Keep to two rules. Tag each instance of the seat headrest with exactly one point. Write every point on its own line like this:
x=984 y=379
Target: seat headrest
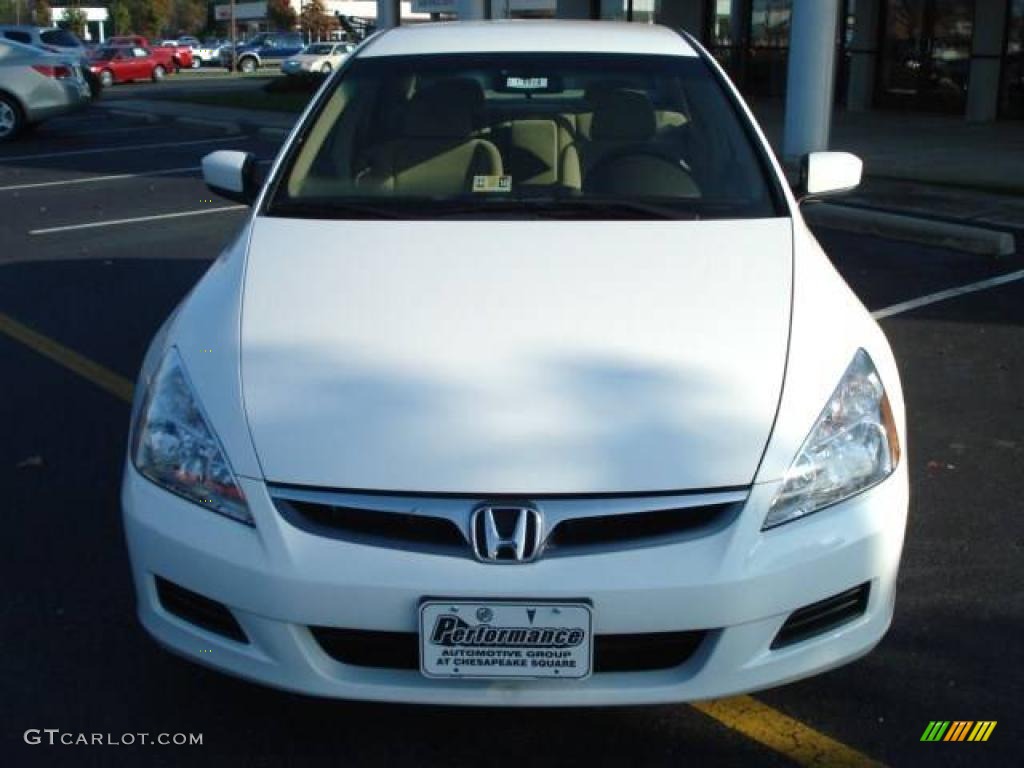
x=623 y=115
x=447 y=108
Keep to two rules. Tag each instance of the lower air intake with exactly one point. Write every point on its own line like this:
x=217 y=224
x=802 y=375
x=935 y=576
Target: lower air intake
x=818 y=618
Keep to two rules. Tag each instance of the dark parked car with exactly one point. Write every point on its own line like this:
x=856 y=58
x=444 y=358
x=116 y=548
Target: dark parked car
x=263 y=50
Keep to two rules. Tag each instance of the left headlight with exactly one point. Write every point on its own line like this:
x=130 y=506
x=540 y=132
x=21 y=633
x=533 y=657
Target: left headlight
x=175 y=446
x=853 y=446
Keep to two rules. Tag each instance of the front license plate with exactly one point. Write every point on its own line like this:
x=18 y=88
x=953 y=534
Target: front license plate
x=505 y=639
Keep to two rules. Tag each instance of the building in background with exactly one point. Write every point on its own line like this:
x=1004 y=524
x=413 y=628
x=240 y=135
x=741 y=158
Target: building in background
x=97 y=21
x=251 y=17
x=960 y=57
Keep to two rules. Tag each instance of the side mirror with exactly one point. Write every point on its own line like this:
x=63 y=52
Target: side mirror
x=828 y=173
x=232 y=175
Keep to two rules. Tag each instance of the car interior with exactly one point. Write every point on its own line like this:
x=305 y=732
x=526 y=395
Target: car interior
x=444 y=135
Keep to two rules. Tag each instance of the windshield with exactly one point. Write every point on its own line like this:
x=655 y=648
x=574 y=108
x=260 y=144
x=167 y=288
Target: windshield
x=103 y=54
x=319 y=49
x=526 y=136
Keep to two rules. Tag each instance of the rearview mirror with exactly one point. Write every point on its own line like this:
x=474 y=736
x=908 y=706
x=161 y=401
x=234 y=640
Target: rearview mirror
x=828 y=173
x=232 y=175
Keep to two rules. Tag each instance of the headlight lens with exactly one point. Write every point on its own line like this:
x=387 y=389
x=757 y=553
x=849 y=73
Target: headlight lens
x=175 y=447
x=853 y=446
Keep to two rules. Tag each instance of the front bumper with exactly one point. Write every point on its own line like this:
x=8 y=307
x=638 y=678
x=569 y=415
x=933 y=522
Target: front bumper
x=738 y=584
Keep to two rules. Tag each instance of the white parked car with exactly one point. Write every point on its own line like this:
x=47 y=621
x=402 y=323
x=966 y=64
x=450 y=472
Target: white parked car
x=207 y=53
x=317 y=57
x=524 y=384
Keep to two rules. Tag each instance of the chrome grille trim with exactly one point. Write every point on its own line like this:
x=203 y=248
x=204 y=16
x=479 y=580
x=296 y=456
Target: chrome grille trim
x=457 y=511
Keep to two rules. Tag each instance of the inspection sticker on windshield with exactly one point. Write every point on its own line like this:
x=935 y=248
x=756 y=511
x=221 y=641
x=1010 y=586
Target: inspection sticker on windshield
x=526 y=83
x=505 y=640
x=492 y=183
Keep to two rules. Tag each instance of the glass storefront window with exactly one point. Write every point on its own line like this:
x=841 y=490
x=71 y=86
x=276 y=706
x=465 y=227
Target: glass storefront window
x=925 y=57
x=769 y=23
x=1013 y=64
x=769 y=47
x=643 y=11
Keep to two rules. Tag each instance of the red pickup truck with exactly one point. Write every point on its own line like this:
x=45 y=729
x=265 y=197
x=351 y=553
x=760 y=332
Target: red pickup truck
x=172 y=57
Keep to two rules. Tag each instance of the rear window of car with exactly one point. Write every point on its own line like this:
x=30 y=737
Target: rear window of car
x=60 y=37
x=554 y=135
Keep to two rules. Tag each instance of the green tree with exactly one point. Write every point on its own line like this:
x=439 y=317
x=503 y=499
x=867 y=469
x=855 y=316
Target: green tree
x=281 y=15
x=188 y=16
x=149 y=17
x=120 y=17
x=75 y=20
x=42 y=14
x=315 y=20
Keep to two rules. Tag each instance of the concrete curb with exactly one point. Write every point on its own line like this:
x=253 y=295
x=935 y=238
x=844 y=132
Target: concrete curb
x=133 y=114
x=915 y=229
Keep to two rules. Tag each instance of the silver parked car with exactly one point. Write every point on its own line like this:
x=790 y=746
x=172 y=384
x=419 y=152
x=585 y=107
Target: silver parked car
x=36 y=85
x=53 y=40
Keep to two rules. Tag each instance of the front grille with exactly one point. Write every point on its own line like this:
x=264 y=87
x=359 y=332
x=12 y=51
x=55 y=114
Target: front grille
x=604 y=530
x=820 y=617
x=195 y=609
x=377 y=527
x=441 y=524
x=612 y=653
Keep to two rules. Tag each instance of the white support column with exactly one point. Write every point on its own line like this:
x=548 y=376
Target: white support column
x=389 y=14
x=860 y=86
x=811 y=77
x=986 y=50
x=471 y=9
x=103 y=31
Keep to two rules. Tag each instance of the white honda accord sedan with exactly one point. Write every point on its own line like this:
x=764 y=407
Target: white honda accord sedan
x=524 y=383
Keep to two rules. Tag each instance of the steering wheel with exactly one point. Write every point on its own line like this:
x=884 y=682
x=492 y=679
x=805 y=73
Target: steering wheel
x=674 y=172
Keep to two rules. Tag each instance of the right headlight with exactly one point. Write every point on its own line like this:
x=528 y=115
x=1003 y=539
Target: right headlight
x=175 y=446
x=852 y=446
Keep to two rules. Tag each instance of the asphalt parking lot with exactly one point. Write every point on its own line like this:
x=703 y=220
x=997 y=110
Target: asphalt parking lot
x=105 y=225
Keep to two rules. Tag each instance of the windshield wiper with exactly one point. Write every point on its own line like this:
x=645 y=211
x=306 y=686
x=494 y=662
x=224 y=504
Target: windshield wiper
x=562 y=208
x=567 y=208
x=611 y=208
x=334 y=209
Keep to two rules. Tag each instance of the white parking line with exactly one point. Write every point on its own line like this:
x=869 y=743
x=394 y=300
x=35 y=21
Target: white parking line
x=91 y=179
x=132 y=147
x=137 y=219
x=932 y=298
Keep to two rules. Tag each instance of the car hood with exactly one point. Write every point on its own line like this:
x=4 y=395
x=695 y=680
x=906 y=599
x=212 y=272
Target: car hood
x=514 y=357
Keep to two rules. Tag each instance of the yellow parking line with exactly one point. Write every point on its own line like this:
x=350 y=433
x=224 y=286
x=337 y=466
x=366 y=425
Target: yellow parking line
x=102 y=377
x=781 y=733
x=754 y=720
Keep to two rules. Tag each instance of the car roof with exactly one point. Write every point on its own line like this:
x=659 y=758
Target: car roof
x=529 y=36
x=42 y=53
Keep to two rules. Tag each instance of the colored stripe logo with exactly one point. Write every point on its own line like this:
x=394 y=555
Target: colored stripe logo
x=958 y=730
